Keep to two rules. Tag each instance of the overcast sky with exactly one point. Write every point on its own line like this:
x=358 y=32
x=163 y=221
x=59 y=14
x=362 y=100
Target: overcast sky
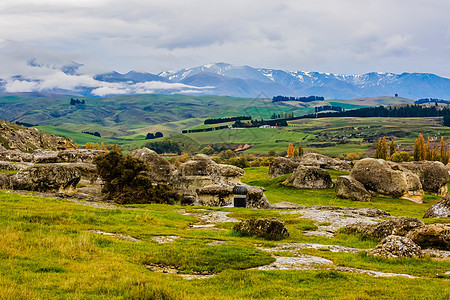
x=338 y=36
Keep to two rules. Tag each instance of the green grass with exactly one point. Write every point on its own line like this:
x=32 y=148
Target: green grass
x=48 y=252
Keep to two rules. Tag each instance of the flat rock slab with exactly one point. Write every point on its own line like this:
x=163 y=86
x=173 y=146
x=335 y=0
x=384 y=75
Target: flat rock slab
x=335 y=218
x=303 y=262
x=373 y=273
x=293 y=247
x=162 y=239
x=117 y=235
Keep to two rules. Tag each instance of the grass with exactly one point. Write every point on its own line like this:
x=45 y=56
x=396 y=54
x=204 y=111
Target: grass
x=47 y=251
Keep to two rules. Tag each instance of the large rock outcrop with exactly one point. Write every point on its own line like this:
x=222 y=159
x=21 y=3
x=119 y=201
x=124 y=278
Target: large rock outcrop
x=431 y=236
x=160 y=169
x=323 y=162
x=395 y=226
x=396 y=246
x=27 y=139
x=271 y=229
x=439 y=210
x=281 y=165
x=349 y=188
x=43 y=178
x=309 y=178
x=387 y=179
x=433 y=175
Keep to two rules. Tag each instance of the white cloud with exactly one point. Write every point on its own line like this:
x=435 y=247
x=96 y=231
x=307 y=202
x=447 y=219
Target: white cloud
x=344 y=36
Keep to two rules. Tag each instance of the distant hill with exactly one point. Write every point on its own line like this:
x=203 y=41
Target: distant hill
x=240 y=81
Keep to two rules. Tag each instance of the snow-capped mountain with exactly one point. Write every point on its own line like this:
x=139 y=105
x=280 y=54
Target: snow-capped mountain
x=240 y=81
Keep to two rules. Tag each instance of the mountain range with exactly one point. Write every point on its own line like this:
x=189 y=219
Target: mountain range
x=239 y=81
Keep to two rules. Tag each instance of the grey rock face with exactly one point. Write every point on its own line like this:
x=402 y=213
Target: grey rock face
x=396 y=226
x=309 y=178
x=433 y=175
x=439 y=210
x=43 y=178
x=324 y=162
x=432 y=236
x=271 y=229
x=281 y=166
x=387 y=179
x=349 y=188
x=396 y=246
x=160 y=169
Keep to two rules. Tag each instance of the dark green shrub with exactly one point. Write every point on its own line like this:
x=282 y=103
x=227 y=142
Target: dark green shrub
x=125 y=180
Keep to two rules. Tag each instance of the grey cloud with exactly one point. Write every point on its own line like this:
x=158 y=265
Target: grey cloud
x=344 y=36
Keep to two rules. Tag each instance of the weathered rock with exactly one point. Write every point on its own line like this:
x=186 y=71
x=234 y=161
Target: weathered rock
x=256 y=197
x=160 y=169
x=395 y=226
x=48 y=177
x=431 y=236
x=396 y=246
x=188 y=200
x=309 y=178
x=78 y=155
x=12 y=166
x=215 y=195
x=271 y=229
x=439 y=210
x=44 y=156
x=88 y=171
x=323 y=162
x=387 y=179
x=281 y=165
x=230 y=174
x=27 y=139
x=16 y=155
x=349 y=188
x=433 y=175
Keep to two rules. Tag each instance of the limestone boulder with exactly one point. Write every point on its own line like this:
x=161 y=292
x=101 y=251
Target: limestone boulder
x=271 y=229
x=256 y=197
x=439 y=210
x=387 y=179
x=396 y=246
x=13 y=166
x=78 y=155
x=395 y=226
x=309 y=178
x=281 y=165
x=349 y=188
x=15 y=155
x=433 y=175
x=431 y=236
x=323 y=162
x=45 y=156
x=46 y=178
x=160 y=169
x=215 y=195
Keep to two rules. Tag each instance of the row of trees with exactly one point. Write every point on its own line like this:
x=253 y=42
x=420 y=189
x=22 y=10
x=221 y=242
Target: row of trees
x=294 y=151
x=224 y=120
x=151 y=136
x=96 y=146
x=422 y=151
x=301 y=99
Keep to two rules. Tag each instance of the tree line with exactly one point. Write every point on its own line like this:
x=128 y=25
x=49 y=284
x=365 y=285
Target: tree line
x=280 y=98
x=422 y=151
x=224 y=120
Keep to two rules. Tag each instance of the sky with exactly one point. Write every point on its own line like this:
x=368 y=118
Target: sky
x=337 y=36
